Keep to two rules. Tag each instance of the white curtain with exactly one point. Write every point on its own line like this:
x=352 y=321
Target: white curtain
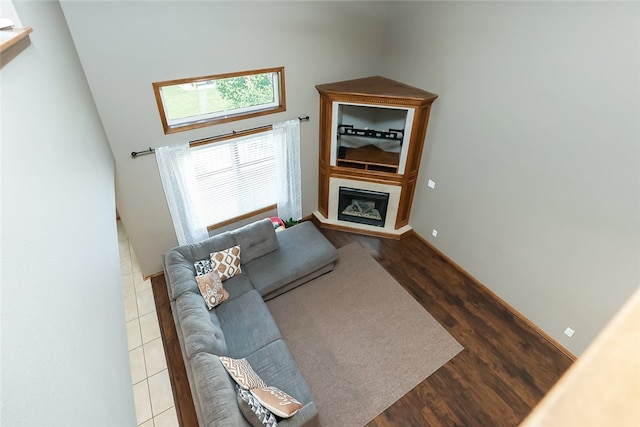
x=179 y=184
x=288 y=181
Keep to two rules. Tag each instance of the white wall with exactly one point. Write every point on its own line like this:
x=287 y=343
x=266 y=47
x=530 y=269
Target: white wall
x=125 y=46
x=64 y=349
x=534 y=145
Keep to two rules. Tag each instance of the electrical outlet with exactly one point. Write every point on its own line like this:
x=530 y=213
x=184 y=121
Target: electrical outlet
x=434 y=233
x=569 y=332
x=431 y=184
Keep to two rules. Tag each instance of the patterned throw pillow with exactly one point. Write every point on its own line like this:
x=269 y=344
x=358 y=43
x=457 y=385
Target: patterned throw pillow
x=203 y=267
x=277 y=401
x=242 y=373
x=253 y=411
x=226 y=262
x=211 y=289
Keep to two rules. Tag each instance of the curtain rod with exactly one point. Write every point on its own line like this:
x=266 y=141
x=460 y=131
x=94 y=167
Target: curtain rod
x=197 y=142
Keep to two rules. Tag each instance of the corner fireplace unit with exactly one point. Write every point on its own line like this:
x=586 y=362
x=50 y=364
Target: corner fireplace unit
x=362 y=206
x=371 y=135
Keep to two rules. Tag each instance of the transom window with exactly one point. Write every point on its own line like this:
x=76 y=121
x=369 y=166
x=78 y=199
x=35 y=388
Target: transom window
x=204 y=101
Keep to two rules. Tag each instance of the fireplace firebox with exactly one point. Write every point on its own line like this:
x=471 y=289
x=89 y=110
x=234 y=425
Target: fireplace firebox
x=362 y=206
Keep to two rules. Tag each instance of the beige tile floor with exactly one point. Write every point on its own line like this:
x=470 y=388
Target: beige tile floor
x=150 y=379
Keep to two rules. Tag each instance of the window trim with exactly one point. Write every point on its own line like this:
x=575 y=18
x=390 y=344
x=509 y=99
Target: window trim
x=234 y=115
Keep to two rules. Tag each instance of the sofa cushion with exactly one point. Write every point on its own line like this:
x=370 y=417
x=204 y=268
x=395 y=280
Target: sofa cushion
x=211 y=289
x=242 y=373
x=279 y=268
x=238 y=285
x=226 y=262
x=275 y=365
x=179 y=268
x=247 y=324
x=256 y=239
x=201 y=250
x=215 y=392
x=201 y=331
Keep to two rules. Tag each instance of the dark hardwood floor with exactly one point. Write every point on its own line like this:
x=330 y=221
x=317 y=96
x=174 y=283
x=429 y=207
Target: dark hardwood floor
x=505 y=369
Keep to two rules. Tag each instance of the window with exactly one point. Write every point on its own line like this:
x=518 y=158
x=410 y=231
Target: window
x=236 y=178
x=204 y=101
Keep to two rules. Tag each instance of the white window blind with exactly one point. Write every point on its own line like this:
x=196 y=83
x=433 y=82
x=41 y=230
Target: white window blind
x=235 y=177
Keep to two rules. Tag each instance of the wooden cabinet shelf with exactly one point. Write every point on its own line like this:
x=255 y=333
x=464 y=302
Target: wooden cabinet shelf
x=370 y=158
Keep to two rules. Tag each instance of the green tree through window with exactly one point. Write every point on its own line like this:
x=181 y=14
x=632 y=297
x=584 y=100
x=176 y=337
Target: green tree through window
x=204 y=101
x=240 y=91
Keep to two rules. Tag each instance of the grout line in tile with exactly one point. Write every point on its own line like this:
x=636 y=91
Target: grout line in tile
x=140 y=286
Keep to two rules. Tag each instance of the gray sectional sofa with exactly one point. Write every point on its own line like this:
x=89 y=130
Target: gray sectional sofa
x=242 y=326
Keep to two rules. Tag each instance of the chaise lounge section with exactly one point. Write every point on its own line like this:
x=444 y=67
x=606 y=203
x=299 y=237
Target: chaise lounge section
x=242 y=326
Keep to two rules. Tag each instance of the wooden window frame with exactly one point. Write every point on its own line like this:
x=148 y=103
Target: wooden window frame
x=168 y=128
x=236 y=219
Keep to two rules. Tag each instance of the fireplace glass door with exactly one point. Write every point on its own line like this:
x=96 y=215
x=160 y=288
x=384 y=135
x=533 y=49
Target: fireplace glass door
x=362 y=206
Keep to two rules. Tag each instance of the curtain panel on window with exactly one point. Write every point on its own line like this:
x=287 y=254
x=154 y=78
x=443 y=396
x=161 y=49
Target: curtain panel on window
x=288 y=174
x=179 y=184
x=221 y=181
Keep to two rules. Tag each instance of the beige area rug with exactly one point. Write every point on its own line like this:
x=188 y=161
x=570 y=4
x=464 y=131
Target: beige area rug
x=360 y=340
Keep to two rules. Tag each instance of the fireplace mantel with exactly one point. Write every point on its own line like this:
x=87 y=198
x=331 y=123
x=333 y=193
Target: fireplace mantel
x=372 y=132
